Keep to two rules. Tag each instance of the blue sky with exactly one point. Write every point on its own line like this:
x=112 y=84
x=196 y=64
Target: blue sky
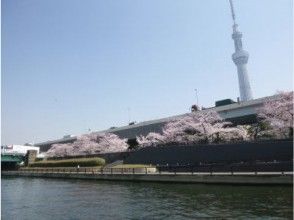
x=71 y=65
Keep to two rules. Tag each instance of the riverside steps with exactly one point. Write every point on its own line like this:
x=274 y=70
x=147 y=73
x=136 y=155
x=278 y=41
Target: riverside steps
x=152 y=175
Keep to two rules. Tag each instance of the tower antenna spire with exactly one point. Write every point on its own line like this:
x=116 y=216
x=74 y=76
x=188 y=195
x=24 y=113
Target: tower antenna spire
x=233 y=11
x=235 y=26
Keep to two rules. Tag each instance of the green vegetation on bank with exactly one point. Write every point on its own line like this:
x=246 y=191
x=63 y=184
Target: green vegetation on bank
x=82 y=162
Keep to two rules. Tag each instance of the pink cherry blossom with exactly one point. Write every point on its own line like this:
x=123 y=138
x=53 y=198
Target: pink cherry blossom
x=86 y=144
x=194 y=128
x=278 y=114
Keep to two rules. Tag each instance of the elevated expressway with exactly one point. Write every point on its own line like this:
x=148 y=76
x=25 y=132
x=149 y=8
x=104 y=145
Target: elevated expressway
x=238 y=113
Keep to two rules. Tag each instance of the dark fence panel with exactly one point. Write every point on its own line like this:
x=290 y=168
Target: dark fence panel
x=271 y=150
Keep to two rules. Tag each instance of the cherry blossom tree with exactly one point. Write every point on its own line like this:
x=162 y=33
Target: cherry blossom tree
x=276 y=117
x=92 y=143
x=152 y=139
x=60 y=150
x=194 y=128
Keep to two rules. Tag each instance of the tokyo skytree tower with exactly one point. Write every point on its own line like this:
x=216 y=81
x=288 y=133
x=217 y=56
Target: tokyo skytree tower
x=240 y=58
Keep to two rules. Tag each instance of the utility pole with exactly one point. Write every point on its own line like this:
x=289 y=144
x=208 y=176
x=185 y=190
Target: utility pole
x=196 y=92
x=129 y=117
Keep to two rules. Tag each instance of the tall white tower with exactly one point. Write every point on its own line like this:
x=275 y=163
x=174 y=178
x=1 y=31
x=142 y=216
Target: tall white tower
x=240 y=58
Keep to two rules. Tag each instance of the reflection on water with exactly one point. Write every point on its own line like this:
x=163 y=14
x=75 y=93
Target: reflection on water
x=36 y=198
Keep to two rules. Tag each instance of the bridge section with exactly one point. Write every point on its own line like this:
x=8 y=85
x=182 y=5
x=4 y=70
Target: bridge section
x=11 y=161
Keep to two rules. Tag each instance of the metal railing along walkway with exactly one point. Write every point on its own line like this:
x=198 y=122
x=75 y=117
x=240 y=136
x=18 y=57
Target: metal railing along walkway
x=134 y=171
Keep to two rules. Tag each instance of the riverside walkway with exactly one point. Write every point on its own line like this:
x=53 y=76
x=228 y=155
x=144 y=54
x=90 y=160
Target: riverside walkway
x=150 y=174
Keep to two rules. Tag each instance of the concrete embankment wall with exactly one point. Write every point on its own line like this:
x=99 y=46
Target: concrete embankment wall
x=271 y=150
x=271 y=179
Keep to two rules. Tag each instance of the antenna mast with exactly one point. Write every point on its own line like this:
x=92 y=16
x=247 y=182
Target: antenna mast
x=233 y=12
x=233 y=16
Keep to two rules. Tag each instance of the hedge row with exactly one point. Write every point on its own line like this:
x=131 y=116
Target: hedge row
x=82 y=162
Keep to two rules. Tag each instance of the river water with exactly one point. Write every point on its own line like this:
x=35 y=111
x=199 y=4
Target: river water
x=37 y=198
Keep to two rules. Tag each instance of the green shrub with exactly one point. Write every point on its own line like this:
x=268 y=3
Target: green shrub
x=82 y=162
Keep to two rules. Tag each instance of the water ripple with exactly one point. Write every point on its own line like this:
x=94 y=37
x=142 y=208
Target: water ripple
x=29 y=198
